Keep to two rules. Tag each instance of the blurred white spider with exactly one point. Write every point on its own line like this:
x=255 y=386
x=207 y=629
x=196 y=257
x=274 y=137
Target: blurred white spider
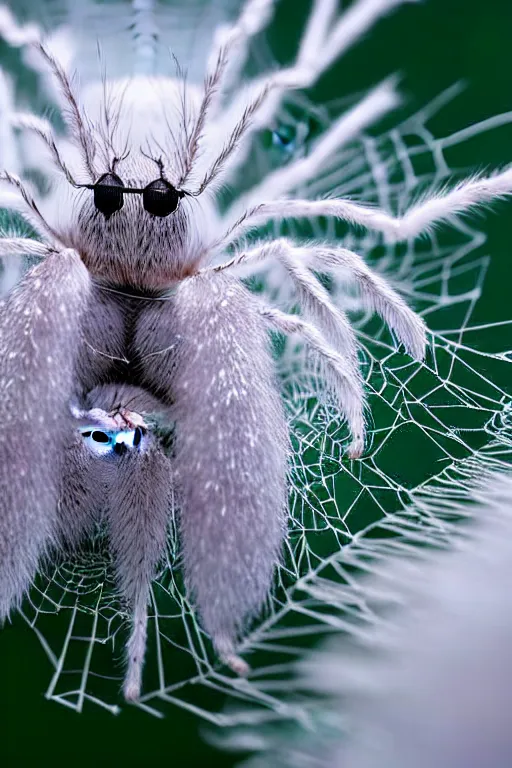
x=128 y=315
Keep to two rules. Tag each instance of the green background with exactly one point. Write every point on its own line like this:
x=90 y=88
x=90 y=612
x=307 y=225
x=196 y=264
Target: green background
x=432 y=44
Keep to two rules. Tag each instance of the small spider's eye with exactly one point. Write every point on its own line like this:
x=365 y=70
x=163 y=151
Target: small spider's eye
x=108 y=194
x=137 y=437
x=160 y=198
x=100 y=437
x=97 y=440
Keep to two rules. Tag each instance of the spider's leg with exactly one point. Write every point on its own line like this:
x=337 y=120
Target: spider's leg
x=29 y=36
x=9 y=158
x=39 y=336
x=14 y=33
x=13 y=201
x=303 y=170
x=376 y=292
x=343 y=370
x=25 y=203
x=440 y=207
x=42 y=128
x=322 y=43
x=325 y=40
x=227 y=58
x=23 y=246
x=253 y=17
x=209 y=350
x=9 y=155
x=78 y=125
x=336 y=370
x=139 y=508
x=340 y=355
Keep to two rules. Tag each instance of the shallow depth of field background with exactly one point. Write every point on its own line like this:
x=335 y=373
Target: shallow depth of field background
x=433 y=45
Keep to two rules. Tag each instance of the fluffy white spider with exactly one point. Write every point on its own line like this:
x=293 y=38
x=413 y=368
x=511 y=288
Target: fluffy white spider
x=129 y=314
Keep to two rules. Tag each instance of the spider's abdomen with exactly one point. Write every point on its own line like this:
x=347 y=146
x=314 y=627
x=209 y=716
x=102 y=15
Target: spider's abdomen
x=231 y=444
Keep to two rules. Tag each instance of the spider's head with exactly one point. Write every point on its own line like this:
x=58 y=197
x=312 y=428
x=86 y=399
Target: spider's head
x=126 y=200
x=134 y=227
x=141 y=220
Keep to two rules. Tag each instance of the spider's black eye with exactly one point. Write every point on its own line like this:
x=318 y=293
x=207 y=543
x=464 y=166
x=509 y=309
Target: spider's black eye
x=160 y=198
x=137 y=437
x=100 y=437
x=108 y=194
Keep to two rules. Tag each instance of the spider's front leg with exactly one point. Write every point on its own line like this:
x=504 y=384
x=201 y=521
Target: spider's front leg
x=208 y=350
x=39 y=336
x=336 y=346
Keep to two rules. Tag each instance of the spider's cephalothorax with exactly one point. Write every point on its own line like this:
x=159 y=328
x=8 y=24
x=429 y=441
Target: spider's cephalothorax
x=132 y=313
x=135 y=228
x=130 y=246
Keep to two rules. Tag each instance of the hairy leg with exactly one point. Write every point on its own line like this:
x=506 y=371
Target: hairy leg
x=79 y=128
x=43 y=129
x=14 y=33
x=322 y=43
x=421 y=218
x=23 y=246
x=39 y=335
x=376 y=293
x=349 y=390
x=351 y=124
x=339 y=349
x=231 y=447
x=253 y=17
x=23 y=201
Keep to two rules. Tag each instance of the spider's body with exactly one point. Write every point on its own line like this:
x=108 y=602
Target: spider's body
x=130 y=314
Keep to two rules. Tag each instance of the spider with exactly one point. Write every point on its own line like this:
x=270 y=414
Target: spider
x=131 y=316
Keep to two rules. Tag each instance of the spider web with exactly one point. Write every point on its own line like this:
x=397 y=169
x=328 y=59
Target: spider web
x=433 y=426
